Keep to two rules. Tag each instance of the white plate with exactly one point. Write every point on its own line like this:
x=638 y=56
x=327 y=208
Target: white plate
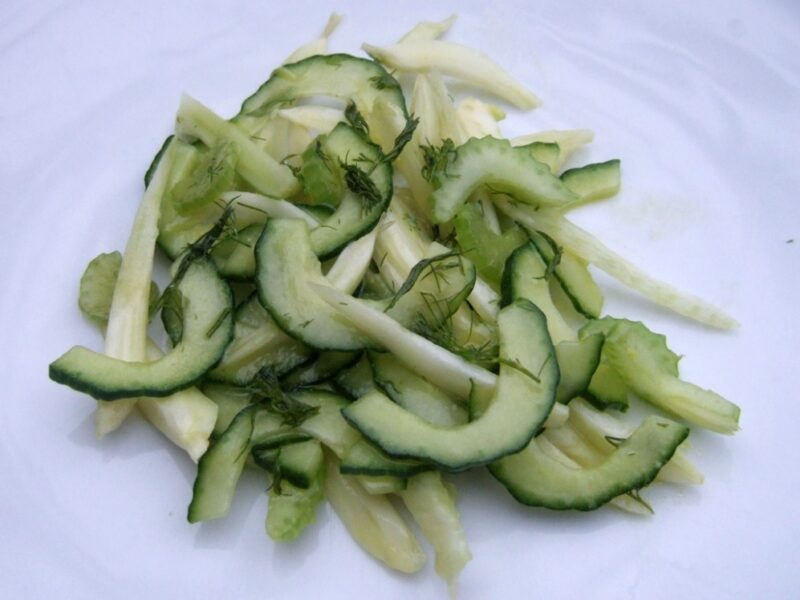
x=699 y=100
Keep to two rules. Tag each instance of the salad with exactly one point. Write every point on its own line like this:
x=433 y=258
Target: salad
x=372 y=288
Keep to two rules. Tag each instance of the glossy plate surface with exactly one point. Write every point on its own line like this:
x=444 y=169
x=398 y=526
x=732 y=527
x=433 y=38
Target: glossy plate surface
x=700 y=100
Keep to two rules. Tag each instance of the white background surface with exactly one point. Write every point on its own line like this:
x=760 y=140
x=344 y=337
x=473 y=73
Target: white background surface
x=699 y=100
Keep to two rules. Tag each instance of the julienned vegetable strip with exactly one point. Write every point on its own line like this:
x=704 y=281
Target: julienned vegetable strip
x=458 y=61
x=592 y=250
x=450 y=372
x=126 y=332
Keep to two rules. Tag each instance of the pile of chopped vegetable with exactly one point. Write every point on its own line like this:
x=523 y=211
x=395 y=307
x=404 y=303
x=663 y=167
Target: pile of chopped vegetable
x=374 y=290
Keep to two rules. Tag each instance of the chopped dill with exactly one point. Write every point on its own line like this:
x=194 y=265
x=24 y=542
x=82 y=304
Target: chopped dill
x=436 y=160
x=355 y=118
x=269 y=393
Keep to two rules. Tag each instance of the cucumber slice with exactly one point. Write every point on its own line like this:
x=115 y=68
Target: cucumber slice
x=607 y=389
x=365 y=459
x=573 y=275
x=526 y=276
x=357 y=380
x=595 y=181
x=365 y=198
x=286 y=267
x=577 y=362
x=322 y=368
x=487 y=250
x=234 y=253
x=336 y=75
x=327 y=425
x=496 y=164
x=230 y=401
x=517 y=410
x=536 y=479
x=298 y=463
x=219 y=470
x=207 y=330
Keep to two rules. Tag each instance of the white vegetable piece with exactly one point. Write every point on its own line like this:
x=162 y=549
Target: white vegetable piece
x=126 y=332
x=457 y=61
x=373 y=522
x=590 y=249
x=439 y=366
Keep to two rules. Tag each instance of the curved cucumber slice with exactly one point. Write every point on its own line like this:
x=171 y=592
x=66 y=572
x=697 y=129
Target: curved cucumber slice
x=207 y=330
x=595 y=181
x=496 y=164
x=573 y=275
x=526 y=276
x=365 y=459
x=577 y=362
x=358 y=211
x=219 y=470
x=286 y=265
x=337 y=75
x=518 y=408
x=536 y=479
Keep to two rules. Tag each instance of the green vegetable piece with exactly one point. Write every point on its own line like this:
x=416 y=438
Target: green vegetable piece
x=595 y=181
x=500 y=167
x=97 y=287
x=486 y=249
x=219 y=470
x=212 y=175
x=292 y=509
x=322 y=178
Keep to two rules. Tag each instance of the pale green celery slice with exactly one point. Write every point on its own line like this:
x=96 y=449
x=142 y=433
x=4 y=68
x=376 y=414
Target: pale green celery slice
x=479 y=119
x=457 y=61
x=292 y=509
x=590 y=249
x=624 y=502
x=434 y=510
x=386 y=122
x=597 y=427
x=318 y=118
x=186 y=418
x=257 y=167
x=439 y=366
x=126 y=332
x=428 y=30
x=317 y=46
x=351 y=264
x=373 y=522
x=568 y=141
x=250 y=208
